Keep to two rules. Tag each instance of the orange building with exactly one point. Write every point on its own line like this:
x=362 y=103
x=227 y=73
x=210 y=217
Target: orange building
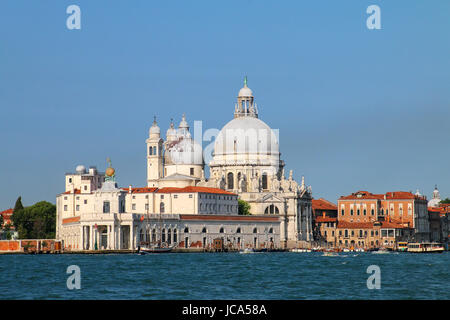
x=6 y=214
x=404 y=209
x=325 y=220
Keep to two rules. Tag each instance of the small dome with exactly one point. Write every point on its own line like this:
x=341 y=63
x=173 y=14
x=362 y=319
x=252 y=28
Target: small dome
x=245 y=92
x=154 y=129
x=171 y=132
x=80 y=169
x=183 y=123
x=185 y=151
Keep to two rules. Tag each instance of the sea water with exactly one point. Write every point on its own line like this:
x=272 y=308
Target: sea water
x=226 y=276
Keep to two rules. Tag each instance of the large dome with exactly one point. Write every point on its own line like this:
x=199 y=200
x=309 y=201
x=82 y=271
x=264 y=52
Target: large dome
x=246 y=135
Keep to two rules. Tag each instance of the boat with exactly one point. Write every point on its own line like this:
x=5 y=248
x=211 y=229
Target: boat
x=247 y=250
x=300 y=250
x=402 y=246
x=346 y=250
x=359 y=250
x=425 y=247
x=155 y=249
x=330 y=254
x=381 y=251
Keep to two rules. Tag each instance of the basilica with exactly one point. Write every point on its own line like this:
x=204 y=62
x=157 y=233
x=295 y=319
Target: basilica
x=181 y=206
x=246 y=161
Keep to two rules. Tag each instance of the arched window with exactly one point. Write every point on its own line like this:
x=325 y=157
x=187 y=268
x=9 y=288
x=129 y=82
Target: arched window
x=175 y=235
x=169 y=236
x=271 y=230
x=141 y=235
x=153 y=235
x=238 y=230
x=221 y=230
x=150 y=151
x=373 y=212
x=154 y=151
x=272 y=209
x=264 y=181
x=163 y=235
x=230 y=180
x=204 y=230
x=342 y=212
x=255 y=230
x=186 y=230
x=161 y=207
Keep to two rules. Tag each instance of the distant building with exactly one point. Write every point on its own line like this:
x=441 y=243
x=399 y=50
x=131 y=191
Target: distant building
x=434 y=202
x=325 y=221
x=6 y=214
x=401 y=208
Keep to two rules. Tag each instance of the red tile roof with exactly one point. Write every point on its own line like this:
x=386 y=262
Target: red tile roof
x=7 y=212
x=362 y=195
x=388 y=196
x=141 y=190
x=370 y=225
x=71 y=220
x=322 y=204
x=265 y=218
x=325 y=219
x=77 y=191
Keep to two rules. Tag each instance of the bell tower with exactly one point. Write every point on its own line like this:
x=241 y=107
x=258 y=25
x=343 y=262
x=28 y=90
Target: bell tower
x=155 y=165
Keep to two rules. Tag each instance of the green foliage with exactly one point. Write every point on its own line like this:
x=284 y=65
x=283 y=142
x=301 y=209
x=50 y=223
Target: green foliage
x=244 y=207
x=446 y=200
x=1 y=222
x=18 y=206
x=35 y=222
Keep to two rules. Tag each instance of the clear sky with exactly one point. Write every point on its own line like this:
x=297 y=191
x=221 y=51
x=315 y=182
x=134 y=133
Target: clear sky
x=356 y=109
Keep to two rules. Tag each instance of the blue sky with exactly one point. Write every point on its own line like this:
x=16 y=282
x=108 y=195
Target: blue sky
x=356 y=109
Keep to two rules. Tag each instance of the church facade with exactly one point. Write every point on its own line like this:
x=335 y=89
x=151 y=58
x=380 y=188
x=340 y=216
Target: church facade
x=246 y=161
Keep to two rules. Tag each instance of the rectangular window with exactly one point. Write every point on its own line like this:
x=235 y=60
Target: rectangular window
x=85 y=201
x=133 y=206
x=175 y=196
x=190 y=196
x=162 y=196
x=106 y=207
x=77 y=207
x=65 y=207
x=192 y=171
x=146 y=206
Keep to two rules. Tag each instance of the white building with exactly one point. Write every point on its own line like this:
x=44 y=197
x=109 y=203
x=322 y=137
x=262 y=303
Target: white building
x=246 y=163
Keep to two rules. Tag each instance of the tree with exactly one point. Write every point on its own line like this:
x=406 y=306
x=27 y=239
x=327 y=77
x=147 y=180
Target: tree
x=447 y=200
x=36 y=222
x=1 y=222
x=244 y=207
x=18 y=206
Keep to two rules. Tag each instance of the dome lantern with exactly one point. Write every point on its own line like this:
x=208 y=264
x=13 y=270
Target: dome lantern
x=245 y=106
